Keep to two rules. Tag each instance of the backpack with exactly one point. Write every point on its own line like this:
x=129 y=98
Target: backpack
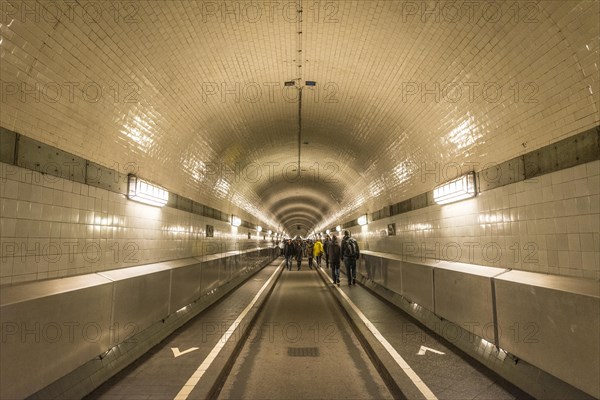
x=351 y=249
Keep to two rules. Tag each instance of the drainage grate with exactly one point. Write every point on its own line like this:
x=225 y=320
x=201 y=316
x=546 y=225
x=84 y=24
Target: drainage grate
x=303 y=351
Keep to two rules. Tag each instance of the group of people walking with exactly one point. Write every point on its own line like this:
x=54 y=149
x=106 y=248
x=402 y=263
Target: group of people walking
x=298 y=249
x=334 y=252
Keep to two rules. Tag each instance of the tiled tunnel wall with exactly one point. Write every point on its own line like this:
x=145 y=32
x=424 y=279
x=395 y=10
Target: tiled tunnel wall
x=548 y=224
x=53 y=227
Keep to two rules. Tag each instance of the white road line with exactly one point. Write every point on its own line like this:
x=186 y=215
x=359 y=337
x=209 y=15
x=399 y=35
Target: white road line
x=196 y=376
x=390 y=349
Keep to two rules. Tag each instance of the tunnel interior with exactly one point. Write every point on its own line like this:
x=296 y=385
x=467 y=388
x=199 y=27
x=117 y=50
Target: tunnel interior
x=196 y=97
x=265 y=120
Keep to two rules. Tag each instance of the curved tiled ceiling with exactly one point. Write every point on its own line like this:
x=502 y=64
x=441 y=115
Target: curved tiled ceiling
x=193 y=93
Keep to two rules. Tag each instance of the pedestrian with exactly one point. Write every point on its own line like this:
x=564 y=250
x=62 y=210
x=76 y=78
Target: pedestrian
x=318 y=251
x=350 y=254
x=326 y=248
x=299 y=248
x=289 y=252
x=334 y=253
x=309 y=252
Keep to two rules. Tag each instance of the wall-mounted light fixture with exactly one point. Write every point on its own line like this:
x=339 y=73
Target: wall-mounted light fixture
x=259 y=228
x=338 y=228
x=145 y=192
x=235 y=221
x=362 y=220
x=328 y=231
x=269 y=232
x=456 y=190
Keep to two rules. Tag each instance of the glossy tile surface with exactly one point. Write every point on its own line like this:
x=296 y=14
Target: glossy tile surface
x=192 y=92
x=191 y=96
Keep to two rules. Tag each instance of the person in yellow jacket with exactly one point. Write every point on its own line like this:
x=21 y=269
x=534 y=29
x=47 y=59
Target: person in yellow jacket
x=318 y=251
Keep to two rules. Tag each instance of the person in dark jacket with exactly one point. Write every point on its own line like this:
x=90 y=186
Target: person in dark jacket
x=334 y=253
x=289 y=251
x=299 y=252
x=326 y=245
x=350 y=253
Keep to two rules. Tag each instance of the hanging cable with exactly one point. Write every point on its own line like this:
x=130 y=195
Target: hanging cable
x=299 y=74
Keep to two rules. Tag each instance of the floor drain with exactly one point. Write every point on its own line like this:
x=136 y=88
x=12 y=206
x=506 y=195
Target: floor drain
x=303 y=351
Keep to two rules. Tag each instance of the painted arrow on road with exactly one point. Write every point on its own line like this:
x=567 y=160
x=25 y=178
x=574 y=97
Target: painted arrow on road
x=178 y=353
x=424 y=349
